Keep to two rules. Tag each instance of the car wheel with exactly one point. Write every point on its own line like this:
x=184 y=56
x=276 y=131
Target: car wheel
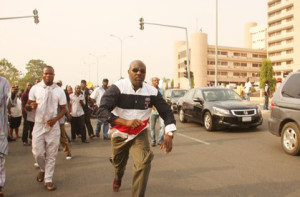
x=208 y=122
x=181 y=115
x=290 y=137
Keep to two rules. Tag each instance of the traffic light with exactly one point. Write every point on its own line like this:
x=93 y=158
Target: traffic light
x=36 y=16
x=141 y=23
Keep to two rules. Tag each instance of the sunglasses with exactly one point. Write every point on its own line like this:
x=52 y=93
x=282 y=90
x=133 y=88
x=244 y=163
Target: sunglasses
x=135 y=70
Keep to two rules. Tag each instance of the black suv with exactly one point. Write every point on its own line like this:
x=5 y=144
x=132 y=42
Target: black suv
x=285 y=114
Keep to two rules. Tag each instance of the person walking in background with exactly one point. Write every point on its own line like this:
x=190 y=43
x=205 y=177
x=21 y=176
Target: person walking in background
x=45 y=97
x=63 y=135
x=127 y=105
x=4 y=92
x=87 y=114
x=155 y=116
x=14 y=107
x=267 y=95
x=248 y=87
x=96 y=97
x=77 y=114
x=26 y=125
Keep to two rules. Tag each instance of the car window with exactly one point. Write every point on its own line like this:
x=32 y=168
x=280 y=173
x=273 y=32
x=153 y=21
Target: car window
x=189 y=94
x=291 y=88
x=198 y=94
x=220 y=95
x=178 y=93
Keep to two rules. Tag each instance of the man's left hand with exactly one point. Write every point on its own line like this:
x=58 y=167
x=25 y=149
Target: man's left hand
x=51 y=122
x=167 y=143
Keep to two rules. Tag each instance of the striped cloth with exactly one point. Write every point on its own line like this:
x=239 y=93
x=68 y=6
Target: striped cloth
x=4 y=91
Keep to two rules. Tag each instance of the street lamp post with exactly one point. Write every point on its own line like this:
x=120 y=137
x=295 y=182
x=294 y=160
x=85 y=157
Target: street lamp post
x=216 y=61
x=97 y=57
x=121 y=41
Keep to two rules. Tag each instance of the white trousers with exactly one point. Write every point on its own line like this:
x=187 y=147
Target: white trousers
x=44 y=148
x=2 y=172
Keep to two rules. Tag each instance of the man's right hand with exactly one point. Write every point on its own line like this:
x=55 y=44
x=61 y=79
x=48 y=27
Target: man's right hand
x=33 y=105
x=134 y=123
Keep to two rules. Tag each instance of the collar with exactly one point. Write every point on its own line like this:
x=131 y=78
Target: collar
x=128 y=81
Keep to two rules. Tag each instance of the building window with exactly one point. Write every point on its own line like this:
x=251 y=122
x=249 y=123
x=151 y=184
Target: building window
x=255 y=55
x=182 y=54
x=262 y=56
x=255 y=75
x=237 y=54
x=290 y=51
x=289 y=62
x=244 y=54
x=290 y=30
x=243 y=64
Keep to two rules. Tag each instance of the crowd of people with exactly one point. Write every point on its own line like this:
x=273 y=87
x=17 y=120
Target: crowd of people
x=123 y=110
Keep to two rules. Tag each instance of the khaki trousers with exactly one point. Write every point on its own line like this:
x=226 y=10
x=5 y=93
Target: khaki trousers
x=63 y=140
x=139 y=149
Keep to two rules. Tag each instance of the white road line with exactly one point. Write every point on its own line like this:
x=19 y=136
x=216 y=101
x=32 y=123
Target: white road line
x=191 y=138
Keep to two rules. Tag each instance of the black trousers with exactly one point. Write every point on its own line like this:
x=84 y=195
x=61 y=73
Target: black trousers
x=87 y=120
x=27 y=128
x=77 y=126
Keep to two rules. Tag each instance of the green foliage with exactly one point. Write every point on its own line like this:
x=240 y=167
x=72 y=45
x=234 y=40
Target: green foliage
x=166 y=81
x=192 y=82
x=172 y=84
x=267 y=74
x=34 y=71
x=9 y=71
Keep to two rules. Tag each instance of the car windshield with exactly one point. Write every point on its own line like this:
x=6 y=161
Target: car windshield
x=220 y=95
x=178 y=93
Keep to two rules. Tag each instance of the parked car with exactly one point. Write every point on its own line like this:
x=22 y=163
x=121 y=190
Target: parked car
x=285 y=114
x=217 y=107
x=172 y=96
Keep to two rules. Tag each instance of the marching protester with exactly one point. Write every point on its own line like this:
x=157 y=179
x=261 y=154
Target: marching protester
x=14 y=107
x=155 y=116
x=96 y=97
x=77 y=114
x=4 y=89
x=127 y=105
x=87 y=114
x=27 y=124
x=45 y=97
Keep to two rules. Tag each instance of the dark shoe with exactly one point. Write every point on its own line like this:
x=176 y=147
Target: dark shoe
x=50 y=186
x=1 y=192
x=85 y=141
x=40 y=177
x=116 y=185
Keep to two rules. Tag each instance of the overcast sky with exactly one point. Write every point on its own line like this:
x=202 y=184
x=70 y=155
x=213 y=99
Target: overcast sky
x=70 y=30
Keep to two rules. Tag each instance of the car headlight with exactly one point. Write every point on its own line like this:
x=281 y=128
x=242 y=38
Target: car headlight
x=221 y=111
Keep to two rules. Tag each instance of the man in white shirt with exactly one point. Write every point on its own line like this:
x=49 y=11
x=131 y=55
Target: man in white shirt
x=77 y=114
x=248 y=86
x=49 y=101
x=96 y=97
x=14 y=107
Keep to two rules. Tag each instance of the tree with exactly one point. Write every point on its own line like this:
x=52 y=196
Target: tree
x=172 y=84
x=34 y=71
x=267 y=74
x=9 y=71
x=166 y=81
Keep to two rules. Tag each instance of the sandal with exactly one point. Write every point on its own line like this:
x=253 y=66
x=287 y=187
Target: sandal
x=40 y=176
x=50 y=186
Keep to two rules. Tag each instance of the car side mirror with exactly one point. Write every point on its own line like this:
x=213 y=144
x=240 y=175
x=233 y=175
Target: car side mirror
x=198 y=100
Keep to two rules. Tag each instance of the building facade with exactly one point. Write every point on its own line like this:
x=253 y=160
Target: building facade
x=284 y=36
x=255 y=36
x=234 y=64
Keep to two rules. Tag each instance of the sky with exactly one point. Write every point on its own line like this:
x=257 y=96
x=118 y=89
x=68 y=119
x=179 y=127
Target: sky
x=70 y=31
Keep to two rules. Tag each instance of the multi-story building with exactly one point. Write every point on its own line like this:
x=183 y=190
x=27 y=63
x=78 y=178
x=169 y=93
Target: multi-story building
x=284 y=36
x=234 y=64
x=255 y=36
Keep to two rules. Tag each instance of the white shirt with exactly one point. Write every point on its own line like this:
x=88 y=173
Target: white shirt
x=16 y=111
x=97 y=95
x=77 y=109
x=37 y=93
x=248 y=86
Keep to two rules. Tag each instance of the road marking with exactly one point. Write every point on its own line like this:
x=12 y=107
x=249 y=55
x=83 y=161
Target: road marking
x=191 y=138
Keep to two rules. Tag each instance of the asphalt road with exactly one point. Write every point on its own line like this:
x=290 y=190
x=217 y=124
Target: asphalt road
x=236 y=162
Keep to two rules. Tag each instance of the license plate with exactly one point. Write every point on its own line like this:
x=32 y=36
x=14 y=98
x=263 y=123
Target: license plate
x=246 y=119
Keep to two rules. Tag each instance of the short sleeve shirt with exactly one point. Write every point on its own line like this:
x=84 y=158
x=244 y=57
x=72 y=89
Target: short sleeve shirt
x=37 y=94
x=76 y=110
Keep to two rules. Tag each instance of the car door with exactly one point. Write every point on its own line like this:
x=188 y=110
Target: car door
x=187 y=104
x=198 y=106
